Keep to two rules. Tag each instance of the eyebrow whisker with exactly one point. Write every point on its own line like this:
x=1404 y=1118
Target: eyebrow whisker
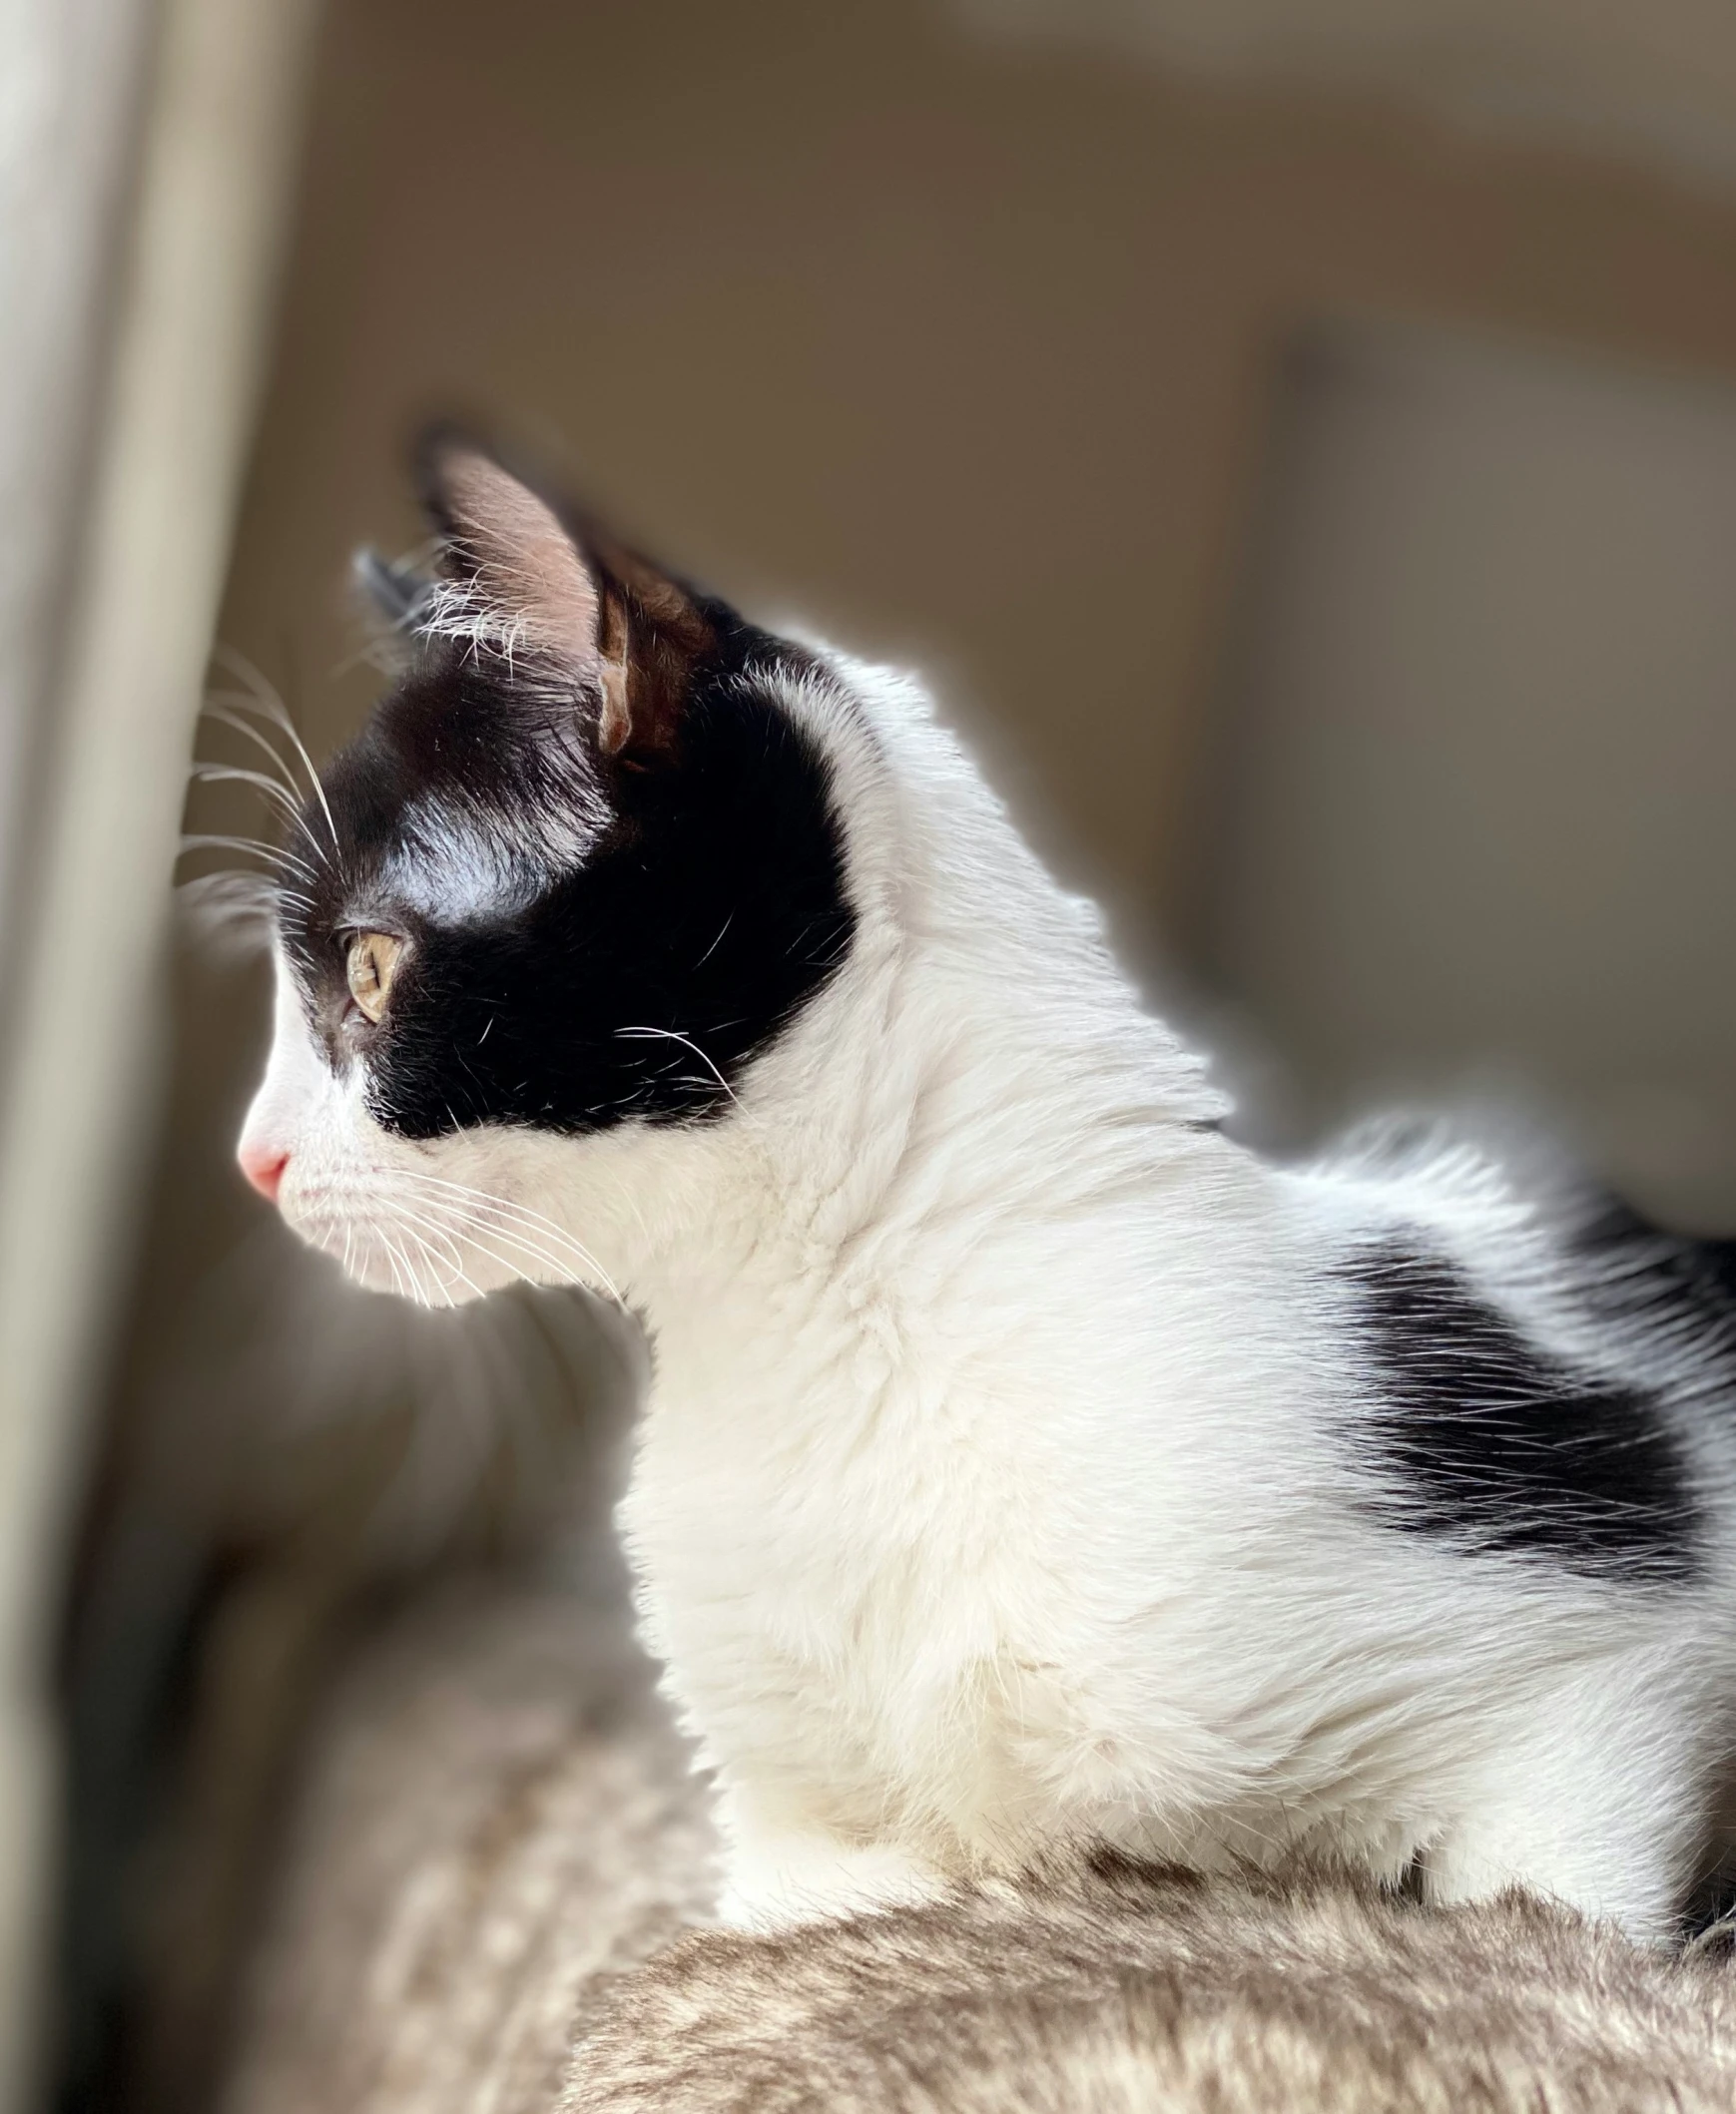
x=686 y=1044
x=257 y=848
x=209 y=773
x=266 y=701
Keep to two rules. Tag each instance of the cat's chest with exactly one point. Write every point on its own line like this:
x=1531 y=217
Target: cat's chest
x=858 y=1622
x=809 y=1529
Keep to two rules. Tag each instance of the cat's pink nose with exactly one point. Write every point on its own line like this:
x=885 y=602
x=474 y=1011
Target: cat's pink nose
x=263 y=1167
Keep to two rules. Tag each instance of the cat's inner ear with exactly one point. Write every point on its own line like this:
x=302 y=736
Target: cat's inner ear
x=519 y=576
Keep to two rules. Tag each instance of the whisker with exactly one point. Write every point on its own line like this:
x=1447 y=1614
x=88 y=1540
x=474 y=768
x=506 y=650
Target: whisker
x=417 y=1292
x=468 y=1220
x=268 y=701
x=482 y=1196
x=418 y=1227
x=209 y=774
x=437 y=1282
x=716 y=943
x=408 y=1215
x=255 y=847
x=217 y=705
x=669 y=1035
x=424 y=1292
x=561 y=1267
x=403 y=1277
x=543 y=1226
x=375 y=1236
x=474 y=1236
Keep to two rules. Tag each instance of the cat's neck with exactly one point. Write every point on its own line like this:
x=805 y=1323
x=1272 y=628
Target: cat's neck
x=978 y=1063
x=933 y=1107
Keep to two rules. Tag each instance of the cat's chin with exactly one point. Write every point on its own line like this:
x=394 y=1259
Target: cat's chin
x=397 y=1270
x=424 y=1288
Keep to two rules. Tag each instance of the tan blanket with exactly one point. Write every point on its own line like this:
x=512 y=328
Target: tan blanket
x=497 y=1827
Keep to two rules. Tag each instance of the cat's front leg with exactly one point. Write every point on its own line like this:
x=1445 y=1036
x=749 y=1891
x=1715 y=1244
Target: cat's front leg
x=774 y=1877
x=1589 y=1804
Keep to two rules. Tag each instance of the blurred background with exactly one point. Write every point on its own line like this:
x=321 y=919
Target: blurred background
x=1297 y=436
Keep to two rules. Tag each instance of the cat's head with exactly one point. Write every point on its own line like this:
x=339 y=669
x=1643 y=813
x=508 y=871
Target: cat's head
x=579 y=871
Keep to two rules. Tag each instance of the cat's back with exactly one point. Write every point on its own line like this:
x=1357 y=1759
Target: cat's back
x=1537 y=1371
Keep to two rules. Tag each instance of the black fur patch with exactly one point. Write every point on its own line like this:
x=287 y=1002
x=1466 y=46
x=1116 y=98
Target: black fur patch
x=634 y=980
x=1483 y=1439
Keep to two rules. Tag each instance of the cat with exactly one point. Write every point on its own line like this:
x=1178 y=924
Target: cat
x=1026 y=1462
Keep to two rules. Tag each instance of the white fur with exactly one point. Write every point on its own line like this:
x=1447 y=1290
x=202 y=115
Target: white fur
x=991 y=1488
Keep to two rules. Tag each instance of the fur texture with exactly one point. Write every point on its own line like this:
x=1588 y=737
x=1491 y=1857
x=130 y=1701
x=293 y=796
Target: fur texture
x=1026 y=1465
x=1115 y=1988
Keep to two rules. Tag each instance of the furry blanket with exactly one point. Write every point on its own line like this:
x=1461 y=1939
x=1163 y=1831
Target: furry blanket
x=498 y=1845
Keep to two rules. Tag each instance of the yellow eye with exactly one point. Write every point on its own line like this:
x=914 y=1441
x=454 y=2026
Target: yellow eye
x=371 y=964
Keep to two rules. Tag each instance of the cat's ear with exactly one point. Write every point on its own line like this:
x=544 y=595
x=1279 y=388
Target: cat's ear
x=519 y=573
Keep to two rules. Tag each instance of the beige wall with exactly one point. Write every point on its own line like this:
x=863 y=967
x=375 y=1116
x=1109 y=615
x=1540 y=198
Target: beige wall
x=1475 y=755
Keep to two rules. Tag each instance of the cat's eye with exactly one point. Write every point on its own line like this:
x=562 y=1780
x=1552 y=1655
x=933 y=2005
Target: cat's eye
x=370 y=965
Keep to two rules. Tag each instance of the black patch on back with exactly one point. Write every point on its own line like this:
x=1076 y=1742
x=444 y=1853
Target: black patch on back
x=1483 y=1439
x=708 y=911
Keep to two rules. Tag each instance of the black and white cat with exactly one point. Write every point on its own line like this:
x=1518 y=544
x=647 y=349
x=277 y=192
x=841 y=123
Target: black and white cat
x=1025 y=1461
